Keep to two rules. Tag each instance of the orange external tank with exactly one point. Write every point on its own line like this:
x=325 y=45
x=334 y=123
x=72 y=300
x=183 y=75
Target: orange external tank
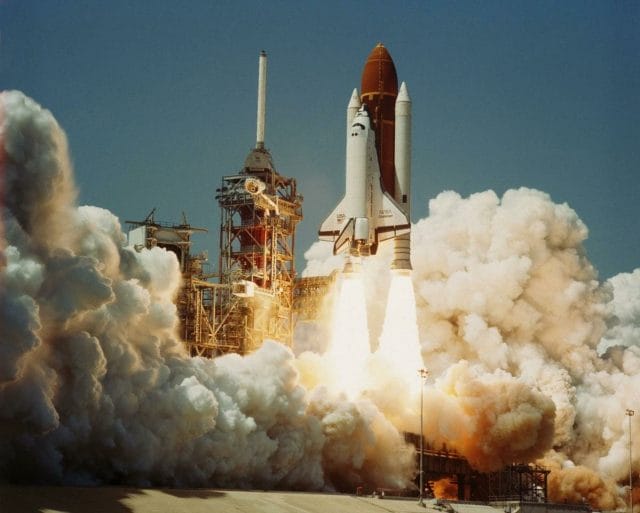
x=379 y=90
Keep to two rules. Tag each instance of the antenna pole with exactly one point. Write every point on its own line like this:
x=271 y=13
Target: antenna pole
x=262 y=95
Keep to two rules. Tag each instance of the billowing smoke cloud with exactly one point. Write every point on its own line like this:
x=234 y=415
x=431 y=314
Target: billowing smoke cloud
x=95 y=387
x=531 y=358
x=577 y=483
x=625 y=312
x=513 y=325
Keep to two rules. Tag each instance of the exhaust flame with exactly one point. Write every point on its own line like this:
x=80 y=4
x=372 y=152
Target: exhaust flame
x=399 y=342
x=349 y=346
x=445 y=488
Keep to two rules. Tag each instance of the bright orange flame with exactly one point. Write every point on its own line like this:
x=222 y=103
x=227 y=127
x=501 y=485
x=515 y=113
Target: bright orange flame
x=445 y=489
x=349 y=346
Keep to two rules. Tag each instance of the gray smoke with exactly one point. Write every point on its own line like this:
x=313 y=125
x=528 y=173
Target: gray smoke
x=95 y=387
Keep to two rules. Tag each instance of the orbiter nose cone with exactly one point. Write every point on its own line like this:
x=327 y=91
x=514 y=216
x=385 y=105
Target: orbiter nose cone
x=354 y=103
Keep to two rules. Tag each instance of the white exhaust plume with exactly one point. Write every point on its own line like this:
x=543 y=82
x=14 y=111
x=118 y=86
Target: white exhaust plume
x=399 y=341
x=95 y=387
x=349 y=345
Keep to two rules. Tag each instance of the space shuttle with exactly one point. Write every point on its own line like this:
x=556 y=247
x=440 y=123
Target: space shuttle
x=376 y=205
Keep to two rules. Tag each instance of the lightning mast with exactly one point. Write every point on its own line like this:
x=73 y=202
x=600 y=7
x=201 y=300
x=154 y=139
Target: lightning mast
x=259 y=212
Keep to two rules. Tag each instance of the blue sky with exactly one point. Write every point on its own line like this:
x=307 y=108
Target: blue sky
x=158 y=100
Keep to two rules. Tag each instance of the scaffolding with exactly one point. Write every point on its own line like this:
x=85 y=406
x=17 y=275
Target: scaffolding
x=518 y=481
x=259 y=213
x=196 y=298
x=309 y=296
x=522 y=482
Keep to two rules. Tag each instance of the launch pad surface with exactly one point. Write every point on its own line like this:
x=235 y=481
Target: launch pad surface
x=111 y=499
x=114 y=499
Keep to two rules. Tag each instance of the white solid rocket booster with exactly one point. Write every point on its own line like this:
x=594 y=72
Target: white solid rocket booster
x=402 y=161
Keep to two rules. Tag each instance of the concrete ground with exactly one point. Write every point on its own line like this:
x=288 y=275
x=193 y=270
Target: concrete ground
x=45 y=499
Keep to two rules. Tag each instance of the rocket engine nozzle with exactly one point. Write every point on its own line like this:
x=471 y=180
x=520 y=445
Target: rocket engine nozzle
x=401 y=263
x=352 y=265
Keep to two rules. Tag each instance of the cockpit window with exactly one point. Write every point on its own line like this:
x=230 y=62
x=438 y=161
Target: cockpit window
x=358 y=124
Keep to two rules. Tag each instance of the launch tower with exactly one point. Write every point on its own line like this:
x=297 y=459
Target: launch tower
x=259 y=212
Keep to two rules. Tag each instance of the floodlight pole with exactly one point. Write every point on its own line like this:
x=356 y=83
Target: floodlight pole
x=423 y=376
x=630 y=413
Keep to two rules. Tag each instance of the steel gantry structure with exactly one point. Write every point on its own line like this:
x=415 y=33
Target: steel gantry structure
x=259 y=212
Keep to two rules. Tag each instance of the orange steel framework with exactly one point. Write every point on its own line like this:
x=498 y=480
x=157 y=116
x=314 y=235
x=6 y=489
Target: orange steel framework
x=259 y=213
